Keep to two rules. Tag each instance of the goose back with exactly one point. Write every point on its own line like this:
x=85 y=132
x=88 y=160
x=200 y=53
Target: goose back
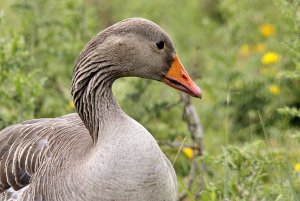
x=26 y=147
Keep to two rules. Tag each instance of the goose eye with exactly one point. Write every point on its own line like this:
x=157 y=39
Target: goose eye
x=160 y=45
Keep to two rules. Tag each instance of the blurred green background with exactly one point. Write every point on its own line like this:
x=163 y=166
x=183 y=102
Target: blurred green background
x=243 y=54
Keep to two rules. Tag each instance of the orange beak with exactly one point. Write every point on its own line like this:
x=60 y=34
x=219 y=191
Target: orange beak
x=178 y=78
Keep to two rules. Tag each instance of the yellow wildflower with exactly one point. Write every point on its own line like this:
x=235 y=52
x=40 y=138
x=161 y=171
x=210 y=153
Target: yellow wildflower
x=297 y=167
x=274 y=89
x=71 y=105
x=188 y=152
x=259 y=47
x=247 y=49
x=270 y=58
x=244 y=50
x=267 y=30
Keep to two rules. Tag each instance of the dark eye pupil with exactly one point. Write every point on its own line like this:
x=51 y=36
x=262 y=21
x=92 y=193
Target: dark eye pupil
x=160 y=45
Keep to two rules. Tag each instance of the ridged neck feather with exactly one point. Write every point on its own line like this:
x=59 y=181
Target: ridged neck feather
x=93 y=77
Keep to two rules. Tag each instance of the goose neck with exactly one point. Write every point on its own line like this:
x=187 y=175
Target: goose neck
x=92 y=94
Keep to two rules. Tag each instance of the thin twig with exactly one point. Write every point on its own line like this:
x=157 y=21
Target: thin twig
x=191 y=117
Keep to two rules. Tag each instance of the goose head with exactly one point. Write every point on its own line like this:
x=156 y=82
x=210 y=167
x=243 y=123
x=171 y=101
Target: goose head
x=140 y=48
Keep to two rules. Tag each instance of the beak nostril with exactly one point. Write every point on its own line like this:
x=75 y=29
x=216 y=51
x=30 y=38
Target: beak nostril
x=184 y=77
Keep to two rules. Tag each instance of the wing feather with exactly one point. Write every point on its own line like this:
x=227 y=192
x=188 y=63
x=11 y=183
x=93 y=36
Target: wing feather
x=25 y=147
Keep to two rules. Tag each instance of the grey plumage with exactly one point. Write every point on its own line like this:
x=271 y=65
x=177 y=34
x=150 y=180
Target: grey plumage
x=98 y=153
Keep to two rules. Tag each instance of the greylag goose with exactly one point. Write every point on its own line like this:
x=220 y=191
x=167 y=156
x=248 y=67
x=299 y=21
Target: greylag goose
x=99 y=152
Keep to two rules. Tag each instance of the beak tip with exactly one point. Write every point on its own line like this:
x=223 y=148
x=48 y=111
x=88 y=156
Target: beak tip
x=197 y=93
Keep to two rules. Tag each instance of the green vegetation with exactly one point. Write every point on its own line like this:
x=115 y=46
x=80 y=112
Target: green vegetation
x=244 y=54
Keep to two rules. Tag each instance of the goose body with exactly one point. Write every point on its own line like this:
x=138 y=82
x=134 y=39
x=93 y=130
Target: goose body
x=98 y=153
